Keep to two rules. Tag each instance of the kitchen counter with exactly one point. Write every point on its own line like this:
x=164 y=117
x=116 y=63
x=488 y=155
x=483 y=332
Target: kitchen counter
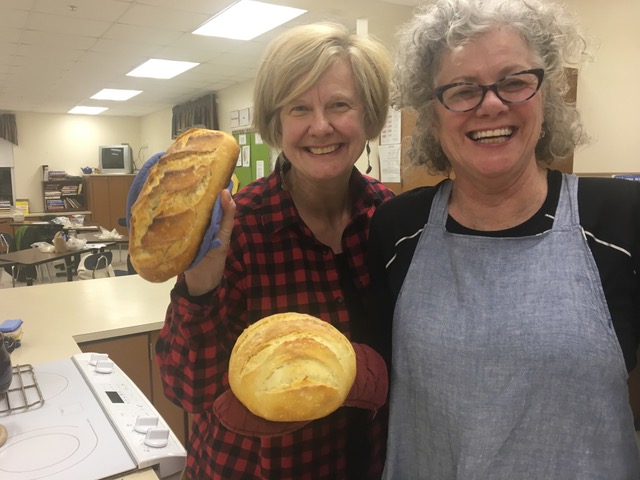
x=58 y=316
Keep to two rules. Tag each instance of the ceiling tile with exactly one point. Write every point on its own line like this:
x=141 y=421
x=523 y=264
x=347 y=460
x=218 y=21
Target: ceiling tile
x=53 y=56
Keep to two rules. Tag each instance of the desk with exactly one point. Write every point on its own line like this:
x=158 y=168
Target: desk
x=47 y=229
x=96 y=238
x=55 y=226
x=33 y=257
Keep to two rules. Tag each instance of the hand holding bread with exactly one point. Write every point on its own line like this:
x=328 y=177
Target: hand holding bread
x=206 y=274
x=292 y=367
x=288 y=369
x=172 y=212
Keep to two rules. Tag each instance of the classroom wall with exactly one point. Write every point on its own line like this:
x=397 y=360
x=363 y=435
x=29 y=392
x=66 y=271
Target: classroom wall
x=155 y=134
x=607 y=98
x=63 y=142
x=607 y=95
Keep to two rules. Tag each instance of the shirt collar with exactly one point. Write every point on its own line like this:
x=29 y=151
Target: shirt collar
x=279 y=211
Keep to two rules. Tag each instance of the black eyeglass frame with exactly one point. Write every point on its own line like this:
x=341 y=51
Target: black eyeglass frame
x=438 y=92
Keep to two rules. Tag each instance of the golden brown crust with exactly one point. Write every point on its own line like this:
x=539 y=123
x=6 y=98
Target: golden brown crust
x=173 y=210
x=292 y=367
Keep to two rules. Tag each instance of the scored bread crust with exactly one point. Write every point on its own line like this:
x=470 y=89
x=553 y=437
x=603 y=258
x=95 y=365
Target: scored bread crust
x=292 y=367
x=173 y=210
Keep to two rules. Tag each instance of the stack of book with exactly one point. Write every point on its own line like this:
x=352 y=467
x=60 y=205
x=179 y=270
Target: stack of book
x=57 y=175
x=52 y=198
x=72 y=204
x=70 y=189
x=5 y=207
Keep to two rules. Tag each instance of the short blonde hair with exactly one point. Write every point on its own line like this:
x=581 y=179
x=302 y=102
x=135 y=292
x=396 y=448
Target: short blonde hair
x=307 y=52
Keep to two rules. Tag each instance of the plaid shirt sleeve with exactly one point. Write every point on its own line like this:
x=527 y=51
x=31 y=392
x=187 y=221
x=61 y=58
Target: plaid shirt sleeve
x=196 y=341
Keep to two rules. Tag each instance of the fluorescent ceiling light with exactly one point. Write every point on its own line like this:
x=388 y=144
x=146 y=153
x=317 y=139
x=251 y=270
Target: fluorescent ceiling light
x=116 y=94
x=87 y=110
x=156 y=68
x=247 y=19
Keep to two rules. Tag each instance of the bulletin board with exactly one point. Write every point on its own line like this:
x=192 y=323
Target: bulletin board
x=254 y=160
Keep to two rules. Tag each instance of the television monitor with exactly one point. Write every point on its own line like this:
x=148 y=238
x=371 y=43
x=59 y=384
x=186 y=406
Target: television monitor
x=116 y=159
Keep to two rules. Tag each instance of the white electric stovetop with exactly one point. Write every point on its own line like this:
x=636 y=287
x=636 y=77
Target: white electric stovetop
x=87 y=421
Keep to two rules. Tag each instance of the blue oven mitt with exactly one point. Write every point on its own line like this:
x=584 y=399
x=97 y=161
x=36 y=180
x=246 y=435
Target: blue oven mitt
x=209 y=240
x=138 y=182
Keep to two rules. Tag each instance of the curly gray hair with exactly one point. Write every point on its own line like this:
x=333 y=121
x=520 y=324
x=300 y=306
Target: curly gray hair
x=549 y=31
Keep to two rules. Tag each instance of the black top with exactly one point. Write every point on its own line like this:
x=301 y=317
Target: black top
x=609 y=214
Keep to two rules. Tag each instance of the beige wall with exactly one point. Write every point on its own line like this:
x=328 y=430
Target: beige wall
x=64 y=142
x=607 y=97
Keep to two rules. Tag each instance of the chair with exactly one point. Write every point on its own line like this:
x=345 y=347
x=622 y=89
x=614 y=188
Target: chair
x=17 y=272
x=7 y=244
x=27 y=235
x=122 y=221
x=129 y=271
x=98 y=261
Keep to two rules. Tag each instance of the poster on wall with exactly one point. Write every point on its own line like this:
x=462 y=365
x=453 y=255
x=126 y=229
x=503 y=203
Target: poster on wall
x=244 y=117
x=235 y=118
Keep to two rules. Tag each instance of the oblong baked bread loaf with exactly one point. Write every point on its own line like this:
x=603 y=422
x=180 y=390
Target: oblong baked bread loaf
x=173 y=210
x=292 y=367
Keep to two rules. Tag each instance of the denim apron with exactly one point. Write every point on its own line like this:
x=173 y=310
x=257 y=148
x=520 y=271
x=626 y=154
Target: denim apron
x=505 y=361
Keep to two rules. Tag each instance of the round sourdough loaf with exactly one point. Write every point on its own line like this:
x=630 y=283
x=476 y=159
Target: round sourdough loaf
x=292 y=367
x=173 y=210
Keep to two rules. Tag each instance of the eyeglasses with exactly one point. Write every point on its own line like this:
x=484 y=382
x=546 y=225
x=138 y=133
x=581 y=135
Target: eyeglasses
x=515 y=88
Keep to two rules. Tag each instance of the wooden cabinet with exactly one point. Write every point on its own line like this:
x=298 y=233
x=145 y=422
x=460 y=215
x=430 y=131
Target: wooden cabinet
x=64 y=195
x=134 y=354
x=5 y=225
x=107 y=199
x=176 y=417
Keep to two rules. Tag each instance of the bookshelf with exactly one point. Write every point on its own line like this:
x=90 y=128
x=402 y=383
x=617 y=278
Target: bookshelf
x=64 y=195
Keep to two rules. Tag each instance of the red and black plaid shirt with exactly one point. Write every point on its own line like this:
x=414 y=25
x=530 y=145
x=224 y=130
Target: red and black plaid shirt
x=274 y=265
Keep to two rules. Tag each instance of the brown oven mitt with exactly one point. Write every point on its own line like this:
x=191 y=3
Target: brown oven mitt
x=369 y=391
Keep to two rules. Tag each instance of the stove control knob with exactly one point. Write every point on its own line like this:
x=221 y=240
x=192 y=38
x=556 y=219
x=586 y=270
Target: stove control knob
x=157 y=437
x=143 y=424
x=104 y=366
x=95 y=357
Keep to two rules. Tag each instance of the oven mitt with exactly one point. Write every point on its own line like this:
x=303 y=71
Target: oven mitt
x=209 y=240
x=369 y=391
x=138 y=182
x=237 y=418
x=370 y=388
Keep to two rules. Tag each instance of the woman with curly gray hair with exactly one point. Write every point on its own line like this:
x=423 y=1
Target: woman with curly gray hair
x=510 y=291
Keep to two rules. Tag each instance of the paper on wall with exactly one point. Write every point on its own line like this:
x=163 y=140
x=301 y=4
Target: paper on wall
x=391 y=132
x=389 y=163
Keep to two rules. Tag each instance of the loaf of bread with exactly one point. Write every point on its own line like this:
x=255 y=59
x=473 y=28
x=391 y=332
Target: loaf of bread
x=173 y=210
x=292 y=367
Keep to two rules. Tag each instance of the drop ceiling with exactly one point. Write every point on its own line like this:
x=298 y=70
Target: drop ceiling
x=56 y=54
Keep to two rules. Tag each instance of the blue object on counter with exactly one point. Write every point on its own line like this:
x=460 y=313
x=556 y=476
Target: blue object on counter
x=9 y=326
